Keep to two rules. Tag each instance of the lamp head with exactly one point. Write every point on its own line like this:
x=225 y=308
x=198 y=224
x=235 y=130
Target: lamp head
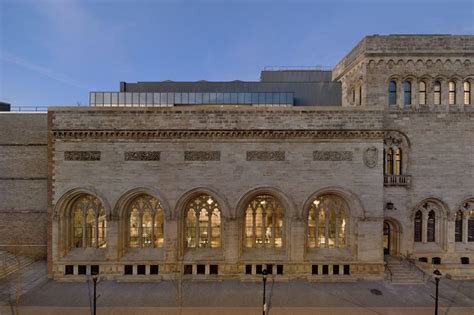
x=437 y=274
x=95 y=276
x=264 y=274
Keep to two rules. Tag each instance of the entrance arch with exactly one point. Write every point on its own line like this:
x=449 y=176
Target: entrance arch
x=391 y=237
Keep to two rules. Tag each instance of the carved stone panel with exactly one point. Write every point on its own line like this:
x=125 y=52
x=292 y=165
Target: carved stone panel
x=370 y=157
x=142 y=156
x=265 y=155
x=202 y=155
x=82 y=156
x=332 y=156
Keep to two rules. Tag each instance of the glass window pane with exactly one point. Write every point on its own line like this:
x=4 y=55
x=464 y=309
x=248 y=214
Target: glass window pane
x=205 y=98
x=261 y=98
x=254 y=98
x=121 y=98
x=226 y=98
x=212 y=98
x=220 y=98
x=135 y=99
x=92 y=98
x=192 y=98
x=99 y=99
x=142 y=99
x=149 y=98
x=177 y=98
x=276 y=98
x=198 y=98
x=290 y=99
x=234 y=98
x=184 y=98
x=128 y=99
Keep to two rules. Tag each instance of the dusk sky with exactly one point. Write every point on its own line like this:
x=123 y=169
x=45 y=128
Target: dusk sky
x=55 y=52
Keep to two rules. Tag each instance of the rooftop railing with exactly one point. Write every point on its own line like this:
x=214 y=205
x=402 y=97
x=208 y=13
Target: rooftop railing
x=297 y=68
x=166 y=99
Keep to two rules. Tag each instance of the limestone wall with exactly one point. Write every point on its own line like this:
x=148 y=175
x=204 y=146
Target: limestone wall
x=23 y=183
x=441 y=166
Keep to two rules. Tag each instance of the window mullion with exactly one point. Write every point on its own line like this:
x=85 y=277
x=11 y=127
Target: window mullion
x=153 y=216
x=316 y=225
x=209 y=227
x=197 y=232
x=84 y=229
x=140 y=229
x=326 y=227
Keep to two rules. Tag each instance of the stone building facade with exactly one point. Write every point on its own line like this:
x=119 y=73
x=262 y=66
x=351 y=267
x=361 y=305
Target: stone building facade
x=278 y=175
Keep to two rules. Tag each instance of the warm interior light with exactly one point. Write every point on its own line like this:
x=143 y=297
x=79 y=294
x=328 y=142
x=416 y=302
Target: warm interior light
x=316 y=202
x=210 y=201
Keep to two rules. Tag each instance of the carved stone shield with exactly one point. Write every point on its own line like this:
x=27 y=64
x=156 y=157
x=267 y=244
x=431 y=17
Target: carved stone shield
x=370 y=157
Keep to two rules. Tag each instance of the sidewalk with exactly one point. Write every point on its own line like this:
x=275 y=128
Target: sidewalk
x=235 y=297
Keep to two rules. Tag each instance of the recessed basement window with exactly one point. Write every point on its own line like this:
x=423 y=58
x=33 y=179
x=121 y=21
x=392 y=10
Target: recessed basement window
x=82 y=269
x=325 y=269
x=335 y=269
x=347 y=269
x=95 y=269
x=69 y=269
x=248 y=269
x=314 y=269
x=279 y=269
x=188 y=269
x=141 y=270
x=153 y=269
x=201 y=269
x=128 y=270
x=213 y=269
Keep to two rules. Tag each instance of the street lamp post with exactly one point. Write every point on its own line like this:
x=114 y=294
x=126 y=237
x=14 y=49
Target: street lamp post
x=94 y=279
x=264 y=278
x=437 y=276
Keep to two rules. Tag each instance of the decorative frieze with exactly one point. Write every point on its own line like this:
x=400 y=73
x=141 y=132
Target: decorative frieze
x=217 y=134
x=265 y=155
x=202 y=155
x=142 y=156
x=82 y=155
x=332 y=156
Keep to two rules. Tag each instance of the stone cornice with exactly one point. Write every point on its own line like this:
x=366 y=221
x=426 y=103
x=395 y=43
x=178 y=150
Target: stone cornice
x=216 y=134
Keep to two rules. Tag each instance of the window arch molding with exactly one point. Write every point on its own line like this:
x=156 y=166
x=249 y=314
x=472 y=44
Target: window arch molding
x=327 y=221
x=394 y=140
x=428 y=235
x=180 y=213
x=394 y=93
x=122 y=208
x=288 y=212
x=63 y=216
x=466 y=210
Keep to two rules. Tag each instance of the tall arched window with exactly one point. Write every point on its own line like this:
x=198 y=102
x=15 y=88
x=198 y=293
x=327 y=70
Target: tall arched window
x=203 y=223
x=418 y=226
x=264 y=223
x=470 y=226
x=398 y=162
x=389 y=161
x=89 y=223
x=145 y=222
x=327 y=222
x=452 y=93
x=407 y=93
x=431 y=228
x=458 y=226
x=467 y=93
x=422 y=93
x=437 y=92
x=392 y=93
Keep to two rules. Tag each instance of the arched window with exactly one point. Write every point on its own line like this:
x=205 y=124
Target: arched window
x=392 y=93
x=431 y=228
x=203 y=223
x=398 y=162
x=452 y=93
x=470 y=226
x=360 y=95
x=422 y=93
x=145 y=222
x=389 y=161
x=327 y=222
x=264 y=223
x=458 y=226
x=467 y=93
x=407 y=93
x=437 y=92
x=89 y=223
x=418 y=226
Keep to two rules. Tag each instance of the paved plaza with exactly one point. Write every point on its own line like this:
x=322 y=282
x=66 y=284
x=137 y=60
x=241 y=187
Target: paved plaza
x=43 y=296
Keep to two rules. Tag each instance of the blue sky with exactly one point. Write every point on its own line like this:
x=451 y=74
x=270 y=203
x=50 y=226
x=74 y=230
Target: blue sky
x=54 y=52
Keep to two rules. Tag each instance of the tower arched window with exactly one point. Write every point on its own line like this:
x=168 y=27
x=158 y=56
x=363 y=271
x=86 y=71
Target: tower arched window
x=437 y=92
x=407 y=93
x=327 y=222
x=418 y=226
x=464 y=223
x=389 y=158
x=145 y=222
x=452 y=93
x=467 y=93
x=203 y=223
x=392 y=93
x=422 y=93
x=263 y=226
x=89 y=224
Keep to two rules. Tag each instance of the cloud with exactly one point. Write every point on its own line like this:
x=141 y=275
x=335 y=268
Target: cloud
x=60 y=77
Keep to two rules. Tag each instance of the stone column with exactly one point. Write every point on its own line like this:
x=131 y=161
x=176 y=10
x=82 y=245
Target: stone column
x=232 y=240
x=444 y=92
x=297 y=238
x=424 y=229
x=450 y=241
x=112 y=233
x=370 y=240
x=459 y=93
x=172 y=243
x=400 y=94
